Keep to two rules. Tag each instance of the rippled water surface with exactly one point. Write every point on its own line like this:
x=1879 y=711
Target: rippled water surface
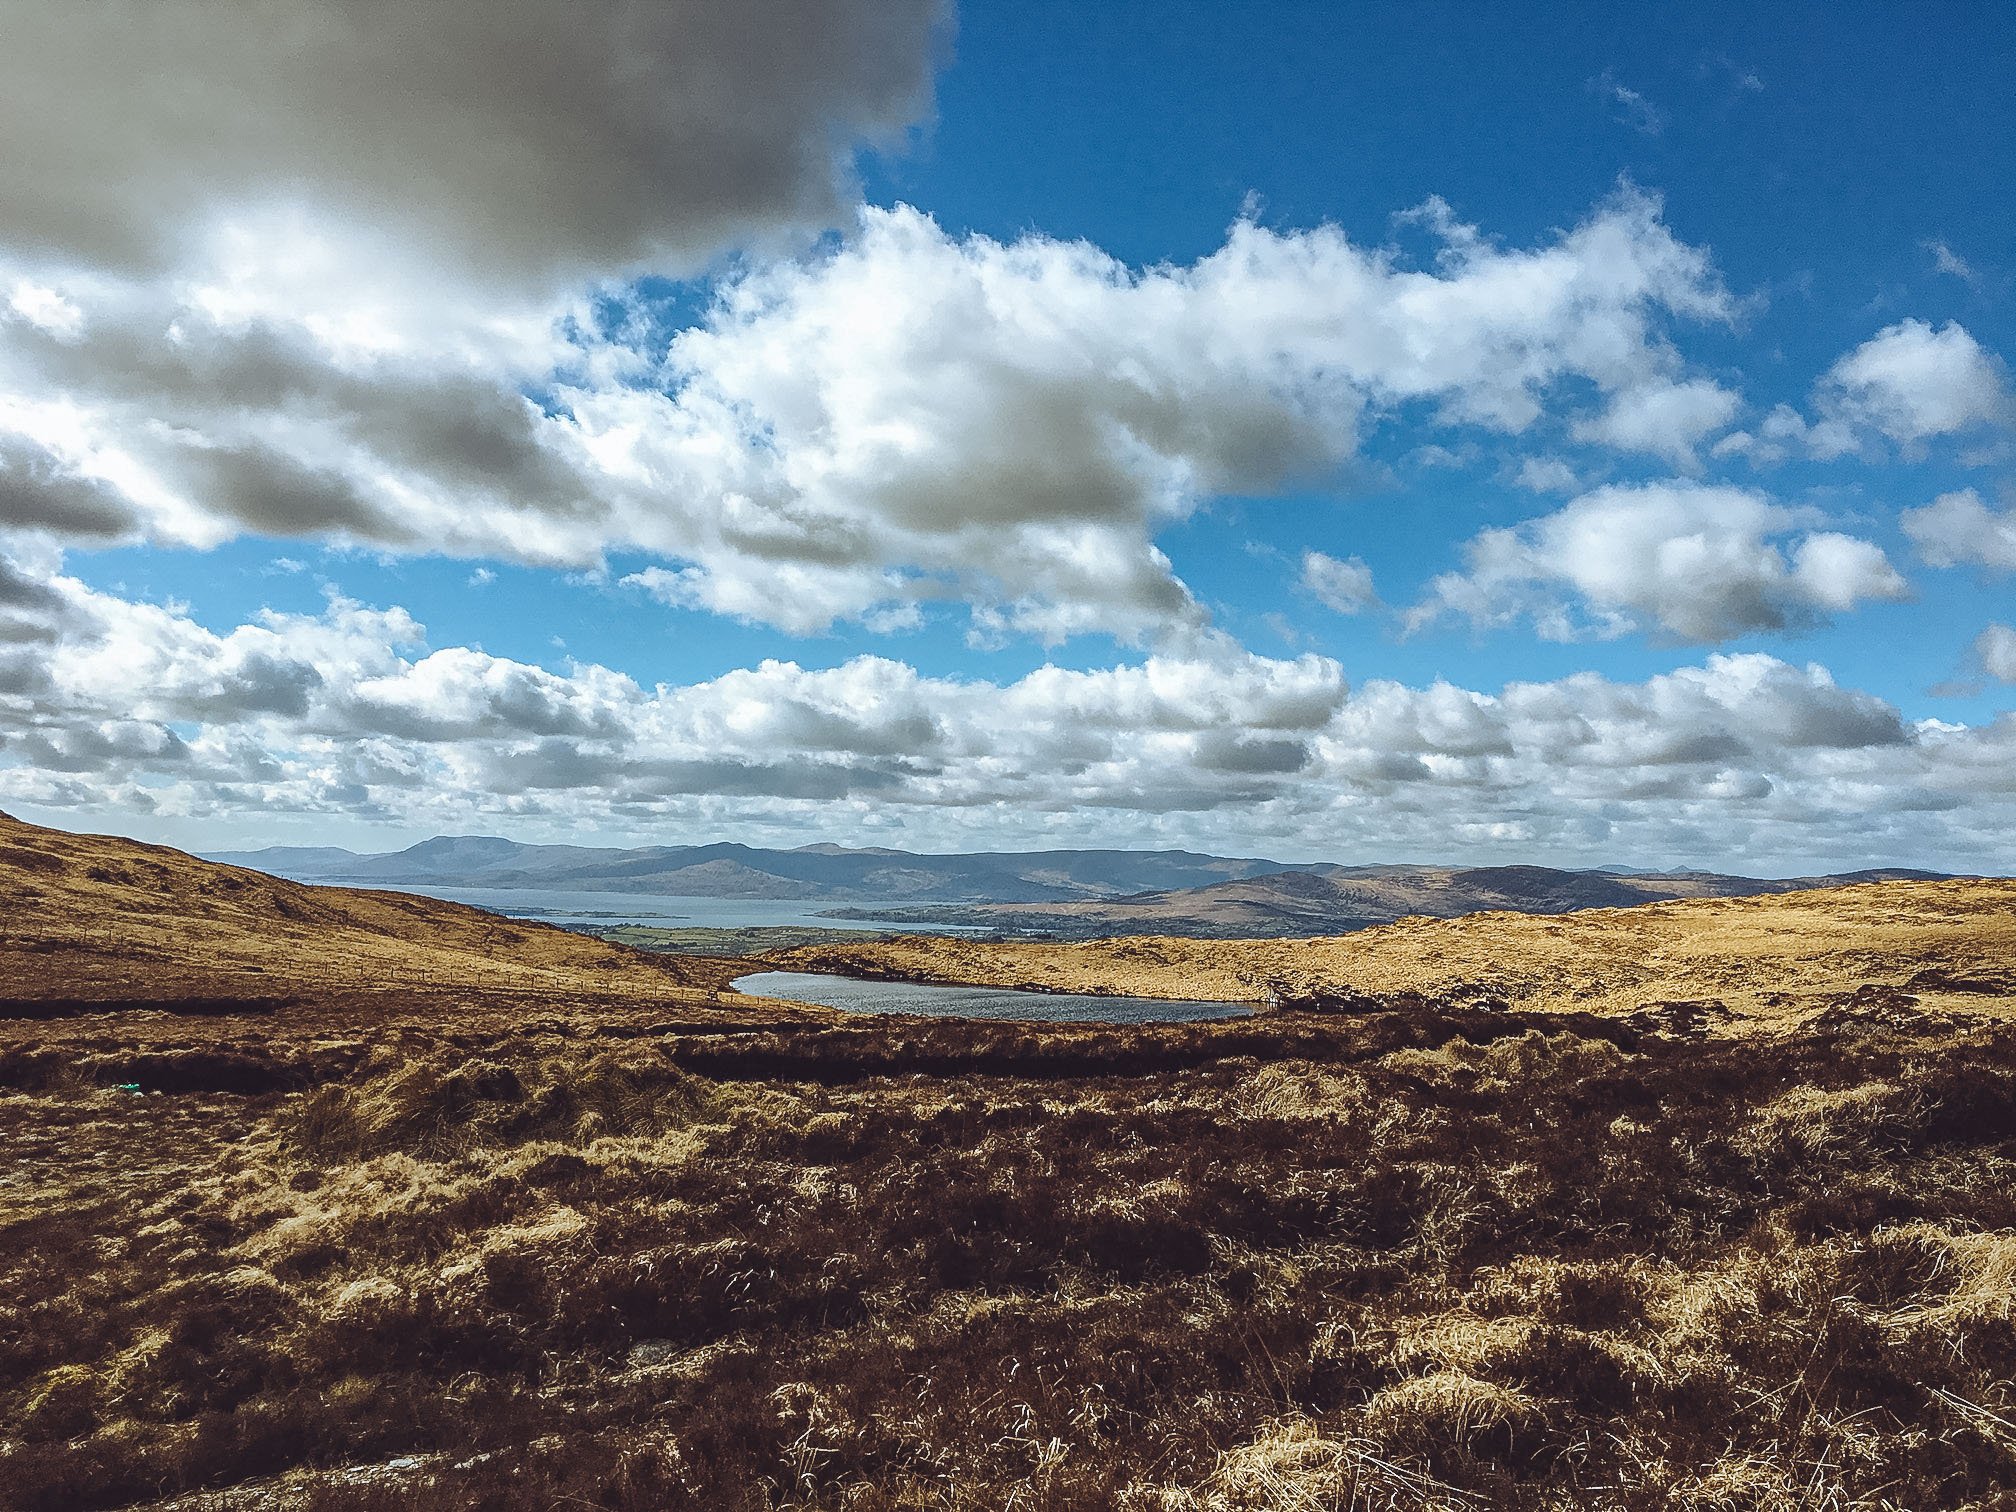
x=976 y=1002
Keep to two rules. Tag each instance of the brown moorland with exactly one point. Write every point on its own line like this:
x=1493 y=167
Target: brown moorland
x=484 y=1237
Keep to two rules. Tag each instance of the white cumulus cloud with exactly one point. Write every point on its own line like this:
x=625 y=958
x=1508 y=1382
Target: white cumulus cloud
x=1912 y=382
x=908 y=417
x=1345 y=586
x=1012 y=423
x=1996 y=649
x=1662 y=417
x=1689 y=561
x=125 y=708
x=1959 y=530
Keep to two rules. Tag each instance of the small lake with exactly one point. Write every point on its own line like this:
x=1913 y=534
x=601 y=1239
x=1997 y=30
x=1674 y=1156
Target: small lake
x=858 y=996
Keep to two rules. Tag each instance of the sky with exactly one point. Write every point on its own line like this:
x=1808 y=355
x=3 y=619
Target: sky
x=1580 y=435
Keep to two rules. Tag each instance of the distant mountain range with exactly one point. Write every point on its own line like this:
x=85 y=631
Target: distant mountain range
x=814 y=872
x=1062 y=892
x=1330 y=900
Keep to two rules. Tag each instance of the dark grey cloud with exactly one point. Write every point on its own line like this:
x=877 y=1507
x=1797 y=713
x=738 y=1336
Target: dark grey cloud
x=256 y=426
x=39 y=490
x=25 y=592
x=260 y=683
x=515 y=140
x=461 y=696
x=1234 y=751
x=566 y=765
x=97 y=748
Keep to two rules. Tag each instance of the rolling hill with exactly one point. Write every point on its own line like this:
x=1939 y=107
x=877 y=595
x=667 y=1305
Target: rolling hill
x=1924 y=951
x=93 y=918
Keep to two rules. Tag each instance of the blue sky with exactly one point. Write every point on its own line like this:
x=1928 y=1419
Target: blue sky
x=1783 y=241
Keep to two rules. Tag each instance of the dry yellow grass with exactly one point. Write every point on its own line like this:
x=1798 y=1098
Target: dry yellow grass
x=1770 y=962
x=92 y=917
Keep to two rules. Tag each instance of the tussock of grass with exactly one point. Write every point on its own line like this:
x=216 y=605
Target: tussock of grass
x=425 y=1108
x=1293 y=1466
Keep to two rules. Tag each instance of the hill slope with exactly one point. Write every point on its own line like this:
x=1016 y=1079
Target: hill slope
x=1948 y=946
x=95 y=917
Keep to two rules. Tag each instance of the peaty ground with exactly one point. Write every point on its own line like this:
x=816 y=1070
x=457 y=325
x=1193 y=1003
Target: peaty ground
x=609 y=1237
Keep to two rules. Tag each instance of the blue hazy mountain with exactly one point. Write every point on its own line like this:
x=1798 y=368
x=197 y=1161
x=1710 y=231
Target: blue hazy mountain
x=741 y=871
x=1070 y=891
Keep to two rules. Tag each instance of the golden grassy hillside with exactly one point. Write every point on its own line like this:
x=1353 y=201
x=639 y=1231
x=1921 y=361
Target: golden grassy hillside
x=95 y=917
x=1929 y=948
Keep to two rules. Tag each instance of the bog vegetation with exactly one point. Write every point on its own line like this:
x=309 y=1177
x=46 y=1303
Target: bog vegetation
x=553 y=1249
